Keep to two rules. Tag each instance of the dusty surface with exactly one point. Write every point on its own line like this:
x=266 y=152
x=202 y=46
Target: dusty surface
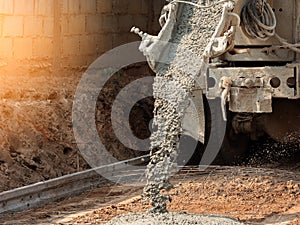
x=60 y=212
x=252 y=196
x=36 y=136
x=36 y=141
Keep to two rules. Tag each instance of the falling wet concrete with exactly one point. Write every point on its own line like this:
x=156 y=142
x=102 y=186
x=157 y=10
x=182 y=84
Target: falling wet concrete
x=172 y=87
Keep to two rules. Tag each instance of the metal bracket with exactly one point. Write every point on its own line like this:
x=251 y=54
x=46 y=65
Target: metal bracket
x=153 y=46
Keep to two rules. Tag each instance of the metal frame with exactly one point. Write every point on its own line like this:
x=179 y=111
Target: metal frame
x=251 y=90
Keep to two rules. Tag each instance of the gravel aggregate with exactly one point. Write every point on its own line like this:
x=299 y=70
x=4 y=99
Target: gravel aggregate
x=171 y=219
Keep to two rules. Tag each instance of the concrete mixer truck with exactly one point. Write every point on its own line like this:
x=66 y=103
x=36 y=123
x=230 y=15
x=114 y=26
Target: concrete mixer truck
x=250 y=50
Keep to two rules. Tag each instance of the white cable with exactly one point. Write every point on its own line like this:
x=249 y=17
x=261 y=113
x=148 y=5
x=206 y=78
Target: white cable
x=200 y=6
x=293 y=47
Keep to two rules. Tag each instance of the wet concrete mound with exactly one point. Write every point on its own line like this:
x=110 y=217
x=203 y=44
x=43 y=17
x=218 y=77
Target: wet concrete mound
x=171 y=219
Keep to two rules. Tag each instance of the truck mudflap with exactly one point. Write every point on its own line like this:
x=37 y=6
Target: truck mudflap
x=195 y=112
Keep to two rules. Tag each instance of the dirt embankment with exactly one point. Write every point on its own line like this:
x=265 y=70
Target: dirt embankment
x=36 y=140
x=36 y=136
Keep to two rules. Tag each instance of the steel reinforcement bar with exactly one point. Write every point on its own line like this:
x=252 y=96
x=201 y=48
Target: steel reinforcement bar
x=45 y=192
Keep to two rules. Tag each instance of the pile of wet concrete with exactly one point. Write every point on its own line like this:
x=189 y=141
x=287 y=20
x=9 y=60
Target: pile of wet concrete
x=171 y=219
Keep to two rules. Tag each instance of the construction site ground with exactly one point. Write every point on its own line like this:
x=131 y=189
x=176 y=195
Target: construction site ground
x=250 y=194
x=36 y=143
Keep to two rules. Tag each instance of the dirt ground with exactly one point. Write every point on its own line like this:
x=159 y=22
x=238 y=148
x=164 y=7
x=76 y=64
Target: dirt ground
x=251 y=195
x=36 y=143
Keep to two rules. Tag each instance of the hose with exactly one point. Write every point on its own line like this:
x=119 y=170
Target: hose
x=259 y=19
x=260 y=22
